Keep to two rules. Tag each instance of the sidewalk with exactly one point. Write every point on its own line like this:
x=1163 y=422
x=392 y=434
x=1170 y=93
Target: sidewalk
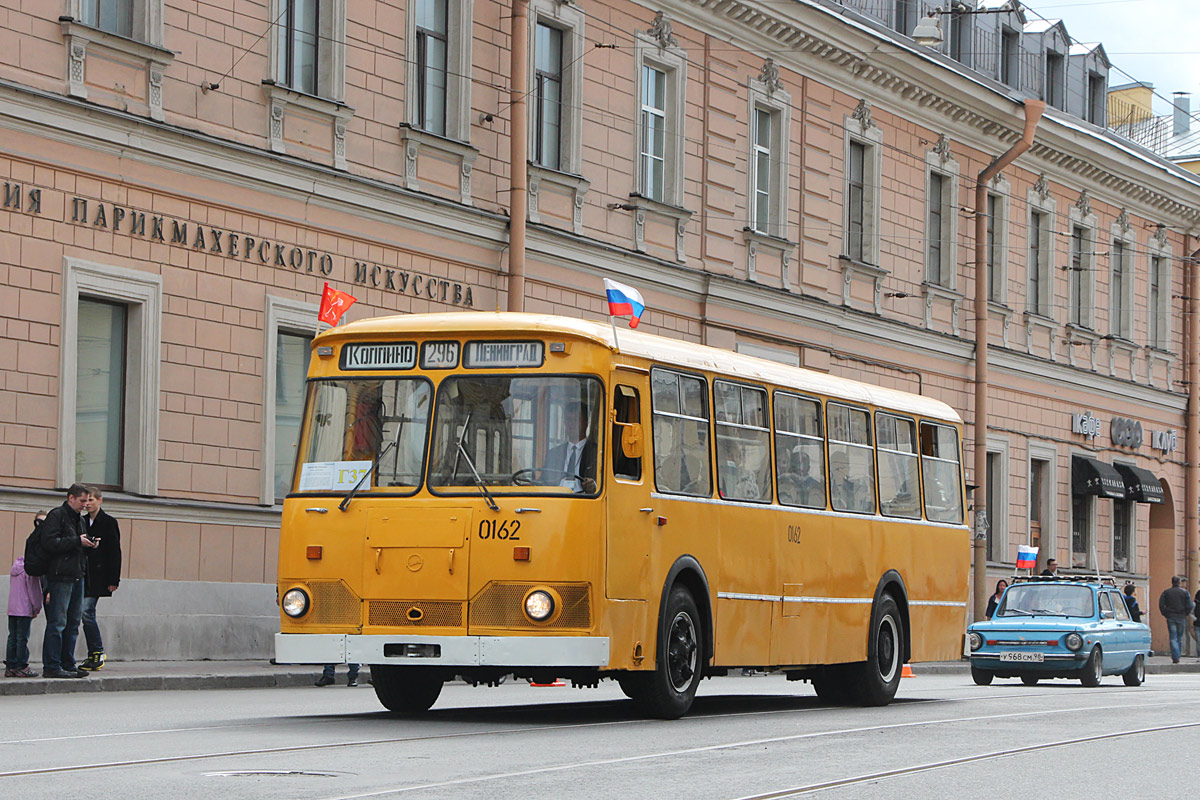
x=120 y=676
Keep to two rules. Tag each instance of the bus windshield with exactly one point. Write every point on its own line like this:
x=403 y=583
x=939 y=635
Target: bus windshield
x=533 y=433
x=352 y=423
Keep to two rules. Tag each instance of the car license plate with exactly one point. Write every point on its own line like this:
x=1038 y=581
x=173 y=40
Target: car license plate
x=1036 y=657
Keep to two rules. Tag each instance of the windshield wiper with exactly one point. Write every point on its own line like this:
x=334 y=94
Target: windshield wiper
x=462 y=451
x=1020 y=611
x=342 y=506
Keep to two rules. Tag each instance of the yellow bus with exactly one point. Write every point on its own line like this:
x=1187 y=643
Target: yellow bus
x=491 y=494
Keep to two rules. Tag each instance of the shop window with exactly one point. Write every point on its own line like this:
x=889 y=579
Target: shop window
x=100 y=393
x=1083 y=514
x=1124 y=513
x=289 y=330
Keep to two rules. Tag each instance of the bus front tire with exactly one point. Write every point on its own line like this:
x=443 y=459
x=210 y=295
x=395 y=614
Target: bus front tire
x=668 y=691
x=406 y=690
x=878 y=677
x=831 y=685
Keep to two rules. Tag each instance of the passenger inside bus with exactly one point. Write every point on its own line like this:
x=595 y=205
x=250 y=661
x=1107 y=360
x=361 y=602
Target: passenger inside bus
x=797 y=486
x=847 y=493
x=573 y=462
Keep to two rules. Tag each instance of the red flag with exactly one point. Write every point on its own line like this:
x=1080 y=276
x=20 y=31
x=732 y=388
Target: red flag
x=334 y=304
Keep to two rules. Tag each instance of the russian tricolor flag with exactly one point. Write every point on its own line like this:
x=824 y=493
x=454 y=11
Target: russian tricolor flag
x=624 y=301
x=1026 y=556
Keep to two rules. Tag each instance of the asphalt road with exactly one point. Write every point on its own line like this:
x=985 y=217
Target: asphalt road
x=757 y=737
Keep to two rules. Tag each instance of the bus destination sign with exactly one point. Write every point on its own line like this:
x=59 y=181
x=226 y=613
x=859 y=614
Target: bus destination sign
x=498 y=355
x=394 y=355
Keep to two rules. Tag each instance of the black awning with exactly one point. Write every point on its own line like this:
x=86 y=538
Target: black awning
x=1092 y=476
x=1141 y=485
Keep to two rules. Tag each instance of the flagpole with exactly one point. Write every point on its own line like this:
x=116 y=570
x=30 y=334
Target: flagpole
x=616 y=342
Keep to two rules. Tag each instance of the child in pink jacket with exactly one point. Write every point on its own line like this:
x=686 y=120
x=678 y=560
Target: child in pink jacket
x=24 y=603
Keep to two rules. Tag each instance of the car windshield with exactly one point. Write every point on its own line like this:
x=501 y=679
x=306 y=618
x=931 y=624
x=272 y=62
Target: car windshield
x=1054 y=599
x=517 y=433
x=360 y=426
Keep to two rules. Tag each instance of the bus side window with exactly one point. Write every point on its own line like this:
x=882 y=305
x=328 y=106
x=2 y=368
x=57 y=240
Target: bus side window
x=851 y=460
x=899 y=474
x=680 y=423
x=941 y=473
x=743 y=442
x=628 y=409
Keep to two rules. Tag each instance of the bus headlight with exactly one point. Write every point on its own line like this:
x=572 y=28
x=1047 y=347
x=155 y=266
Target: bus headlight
x=539 y=605
x=1074 y=641
x=976 y=641
x=295 y=602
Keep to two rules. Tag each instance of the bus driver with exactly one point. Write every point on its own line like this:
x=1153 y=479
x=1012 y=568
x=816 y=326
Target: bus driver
x=574 y=461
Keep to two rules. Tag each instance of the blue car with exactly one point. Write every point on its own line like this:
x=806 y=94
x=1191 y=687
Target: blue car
x=1060 y=628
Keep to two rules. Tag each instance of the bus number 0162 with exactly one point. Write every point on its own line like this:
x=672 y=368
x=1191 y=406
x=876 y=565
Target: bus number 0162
x=499 y=529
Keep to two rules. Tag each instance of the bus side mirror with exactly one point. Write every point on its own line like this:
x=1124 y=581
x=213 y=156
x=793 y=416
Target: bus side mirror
x=631 y=439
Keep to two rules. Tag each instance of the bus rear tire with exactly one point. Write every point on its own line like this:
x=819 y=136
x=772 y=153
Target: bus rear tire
x=878 y=677
x=406 y=690
x=668 y=691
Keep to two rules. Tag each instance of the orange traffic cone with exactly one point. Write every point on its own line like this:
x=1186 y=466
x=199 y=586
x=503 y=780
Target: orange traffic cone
x=906 y=672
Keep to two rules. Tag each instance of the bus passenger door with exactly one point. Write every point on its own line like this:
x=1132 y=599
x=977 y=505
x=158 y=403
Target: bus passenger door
x=630 y=525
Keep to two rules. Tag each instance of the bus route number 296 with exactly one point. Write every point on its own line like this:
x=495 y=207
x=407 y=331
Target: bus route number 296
x=499 y=529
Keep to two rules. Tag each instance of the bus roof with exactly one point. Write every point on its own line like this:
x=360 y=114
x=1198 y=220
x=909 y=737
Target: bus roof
x=661 y=349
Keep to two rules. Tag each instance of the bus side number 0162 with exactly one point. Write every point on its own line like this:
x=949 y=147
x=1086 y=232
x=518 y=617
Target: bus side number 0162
x=499 y=529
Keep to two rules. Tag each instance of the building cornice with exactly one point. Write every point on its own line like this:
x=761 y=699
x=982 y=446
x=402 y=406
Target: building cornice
x=894 y=74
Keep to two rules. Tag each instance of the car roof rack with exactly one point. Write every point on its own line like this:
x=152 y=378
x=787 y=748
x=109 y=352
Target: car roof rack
x=1104 y=580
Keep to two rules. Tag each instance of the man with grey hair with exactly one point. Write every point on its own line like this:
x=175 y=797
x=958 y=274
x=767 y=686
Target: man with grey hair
x=1175 y=604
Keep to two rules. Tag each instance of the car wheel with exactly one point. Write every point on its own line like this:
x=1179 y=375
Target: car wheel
x=406 y=690
x=1093 y=670
x=877 y=679
x=1030 y=680
x=1136 y=674
x=668 y=691
x=982 y=677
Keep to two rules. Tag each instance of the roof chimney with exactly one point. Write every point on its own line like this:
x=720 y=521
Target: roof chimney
x=1183 y=113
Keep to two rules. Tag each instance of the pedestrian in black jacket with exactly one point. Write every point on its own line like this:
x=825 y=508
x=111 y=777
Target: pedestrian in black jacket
x=64 y=538
x=103 y=574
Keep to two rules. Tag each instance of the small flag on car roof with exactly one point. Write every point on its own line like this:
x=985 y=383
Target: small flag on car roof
x=1026 y=556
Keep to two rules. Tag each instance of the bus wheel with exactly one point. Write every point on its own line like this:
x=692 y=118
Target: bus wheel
x=830 y=684
x=879 y=675
x=668 y=692
x=406 y=689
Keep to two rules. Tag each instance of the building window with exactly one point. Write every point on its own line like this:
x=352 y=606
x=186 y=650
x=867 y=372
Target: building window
x=291 y=367
x=661 y=89
x=856 y=202
x=960 y=38
x=1039 y=471
x=1157 y=300
x=1097 y=99
x=100 y=393
x=903 y=15
x=1080 y=276
x=997 y=236
x=109 y=364
x=654 y=132
x=113 y=16
x=1083 y=508
x=939 y=264
x=770 y=132
x=547 y=95
x=996 y=545
x=439 y=88
x=1121 y=289
x=299 y=38
x=431 y=65
x=1010 y=65
x=1123 y=516
x=289 y=330
x=1054 y=79
x=1039 y=261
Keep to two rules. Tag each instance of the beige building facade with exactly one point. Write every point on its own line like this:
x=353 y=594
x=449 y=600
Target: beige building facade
x=181 y=179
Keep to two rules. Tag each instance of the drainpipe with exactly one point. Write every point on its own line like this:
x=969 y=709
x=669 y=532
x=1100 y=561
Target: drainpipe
x=1191 y=512
x=1033 y=113
x=518 y=200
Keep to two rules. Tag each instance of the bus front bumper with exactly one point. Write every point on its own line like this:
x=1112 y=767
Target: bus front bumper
x=455 y=651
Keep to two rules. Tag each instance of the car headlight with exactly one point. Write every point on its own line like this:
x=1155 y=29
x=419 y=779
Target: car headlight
x=976 y=641
x=295 y=602
x=539 y=605
x=1074 y=641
